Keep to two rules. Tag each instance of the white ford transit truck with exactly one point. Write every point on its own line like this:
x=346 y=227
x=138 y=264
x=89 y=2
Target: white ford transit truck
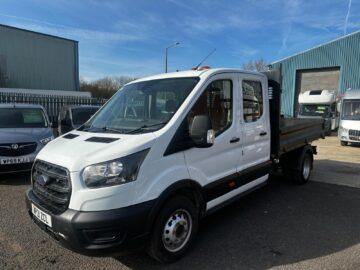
x=162 y=153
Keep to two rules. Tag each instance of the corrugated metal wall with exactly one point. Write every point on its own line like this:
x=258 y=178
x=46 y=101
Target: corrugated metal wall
x=37 y=61
x=343 y=52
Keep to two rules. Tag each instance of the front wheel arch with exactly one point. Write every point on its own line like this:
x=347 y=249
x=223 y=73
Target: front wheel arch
x=187 y=188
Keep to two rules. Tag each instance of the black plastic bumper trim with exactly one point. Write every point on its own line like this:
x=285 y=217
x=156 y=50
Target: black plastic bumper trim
x=98 y=233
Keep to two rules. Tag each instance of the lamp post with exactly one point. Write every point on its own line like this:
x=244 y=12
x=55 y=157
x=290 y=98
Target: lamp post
x=166 y=54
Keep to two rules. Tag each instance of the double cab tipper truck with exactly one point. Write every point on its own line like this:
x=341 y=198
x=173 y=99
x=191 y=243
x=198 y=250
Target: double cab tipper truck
x=162 y=153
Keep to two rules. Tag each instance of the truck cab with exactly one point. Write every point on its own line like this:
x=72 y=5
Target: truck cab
x=162 y=153
x=349 y=130
x=320 y=104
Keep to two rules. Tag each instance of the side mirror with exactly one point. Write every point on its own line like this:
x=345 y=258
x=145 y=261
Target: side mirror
x=201 y=132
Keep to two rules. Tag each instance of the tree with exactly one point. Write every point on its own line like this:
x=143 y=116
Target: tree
x=257 y=65
x=104 y=87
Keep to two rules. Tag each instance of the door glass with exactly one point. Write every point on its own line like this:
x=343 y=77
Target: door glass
x=252 y=100
x=216 y=101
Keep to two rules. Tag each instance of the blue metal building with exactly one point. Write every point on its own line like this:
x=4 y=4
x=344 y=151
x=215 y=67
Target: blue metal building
x=334 y=66
x=31 y=60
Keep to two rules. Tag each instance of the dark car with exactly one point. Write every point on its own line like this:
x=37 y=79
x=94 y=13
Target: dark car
x=72 y=117
x=24 y=130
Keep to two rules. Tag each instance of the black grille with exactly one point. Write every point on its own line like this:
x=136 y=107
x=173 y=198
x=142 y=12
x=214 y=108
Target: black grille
x=354 y=135
x=101 y=139
x=52 y=186
x=17 y=149
x=7 y=168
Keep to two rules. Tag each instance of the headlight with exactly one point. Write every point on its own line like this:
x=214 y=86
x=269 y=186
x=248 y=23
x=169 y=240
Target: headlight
x=46 y=140
x=343 y=130
x=114 y=172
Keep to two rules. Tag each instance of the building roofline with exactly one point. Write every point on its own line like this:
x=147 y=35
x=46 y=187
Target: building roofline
x=38 y=33
x=316 y=47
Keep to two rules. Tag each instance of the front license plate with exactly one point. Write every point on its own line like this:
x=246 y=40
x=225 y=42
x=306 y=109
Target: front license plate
x=41 y=215
x=15 y=160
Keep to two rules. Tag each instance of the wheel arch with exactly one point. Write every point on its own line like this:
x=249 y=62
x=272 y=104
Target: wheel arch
x=188 y=188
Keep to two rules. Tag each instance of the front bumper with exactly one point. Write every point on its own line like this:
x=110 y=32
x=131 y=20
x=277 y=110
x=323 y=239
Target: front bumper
x=98 y=233
x=15 y=168
x=19 y=167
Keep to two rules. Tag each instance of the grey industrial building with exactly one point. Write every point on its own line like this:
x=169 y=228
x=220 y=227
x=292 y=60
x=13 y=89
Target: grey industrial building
x=31 y=60
x=334 y=66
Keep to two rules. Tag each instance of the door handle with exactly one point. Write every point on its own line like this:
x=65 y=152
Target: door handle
x=263 y=133
x=234 y=140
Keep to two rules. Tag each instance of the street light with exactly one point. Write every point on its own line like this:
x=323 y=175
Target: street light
x=166 y=54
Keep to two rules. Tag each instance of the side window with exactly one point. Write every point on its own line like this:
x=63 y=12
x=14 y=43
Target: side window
x=216 y=101
x=252 y=100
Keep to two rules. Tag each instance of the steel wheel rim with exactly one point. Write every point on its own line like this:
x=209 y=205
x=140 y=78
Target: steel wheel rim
x=177 y=230
x=306 y=168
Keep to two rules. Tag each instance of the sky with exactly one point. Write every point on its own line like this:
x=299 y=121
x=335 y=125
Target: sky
x=129 y=37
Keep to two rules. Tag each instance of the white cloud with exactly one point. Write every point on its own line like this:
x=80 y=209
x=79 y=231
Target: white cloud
x=347 y=17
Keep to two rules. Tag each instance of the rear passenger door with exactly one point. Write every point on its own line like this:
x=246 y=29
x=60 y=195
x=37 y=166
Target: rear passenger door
x=255 y=126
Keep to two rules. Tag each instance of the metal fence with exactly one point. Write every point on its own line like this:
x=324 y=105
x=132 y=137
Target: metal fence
x=51 y=103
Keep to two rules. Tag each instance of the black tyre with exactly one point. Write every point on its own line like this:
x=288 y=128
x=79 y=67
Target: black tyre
x=297 y=166
x=174 y=230
x=302 y=174
x=343 y=143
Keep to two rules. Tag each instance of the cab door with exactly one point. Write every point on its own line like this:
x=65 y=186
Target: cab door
x=212 y=165
x=255 y=126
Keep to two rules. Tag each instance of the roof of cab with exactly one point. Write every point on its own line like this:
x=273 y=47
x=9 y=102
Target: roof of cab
x=203 y=73
x=18 y=105
x=352 y=94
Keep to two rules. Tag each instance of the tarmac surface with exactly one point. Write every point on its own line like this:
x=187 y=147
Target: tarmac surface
x=280 y=226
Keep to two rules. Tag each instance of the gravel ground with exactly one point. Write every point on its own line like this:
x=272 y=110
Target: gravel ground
x=281 y=226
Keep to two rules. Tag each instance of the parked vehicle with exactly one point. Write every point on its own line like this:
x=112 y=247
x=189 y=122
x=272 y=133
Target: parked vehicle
x=349 y=130
x=320 y=104
x=72 y=117
x=161 y=154
x=24 y=130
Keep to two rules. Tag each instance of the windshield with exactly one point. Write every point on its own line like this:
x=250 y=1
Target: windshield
x=314 y=110
x=143 y=106
x=350 y=109
x=22 y=118
x=81 y=115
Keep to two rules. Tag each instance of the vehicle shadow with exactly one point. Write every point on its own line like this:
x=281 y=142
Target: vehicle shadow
x=337 y=172
x=280 y=224
x=15 y=179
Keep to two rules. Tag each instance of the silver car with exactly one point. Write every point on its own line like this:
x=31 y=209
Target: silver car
x=24 y=130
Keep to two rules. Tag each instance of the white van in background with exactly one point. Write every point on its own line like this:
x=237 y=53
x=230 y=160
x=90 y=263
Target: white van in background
x=349 y=129
x=320 y=104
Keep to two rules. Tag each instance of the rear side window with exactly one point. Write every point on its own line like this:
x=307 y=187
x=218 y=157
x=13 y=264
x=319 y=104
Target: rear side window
x=216 y=101
x=252 y=100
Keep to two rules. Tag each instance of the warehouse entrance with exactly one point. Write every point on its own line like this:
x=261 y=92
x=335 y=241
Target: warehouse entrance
x=315 y=79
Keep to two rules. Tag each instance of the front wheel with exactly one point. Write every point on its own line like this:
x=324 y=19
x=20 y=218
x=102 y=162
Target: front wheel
x=174 y=230
x=343 y=143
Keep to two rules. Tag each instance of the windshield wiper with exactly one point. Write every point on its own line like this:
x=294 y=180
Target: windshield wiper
x=104 y=128
x=144 y=127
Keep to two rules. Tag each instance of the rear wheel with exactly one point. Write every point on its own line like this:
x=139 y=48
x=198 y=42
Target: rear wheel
x=343 y=143
x=298 y=165
x=174 y=230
